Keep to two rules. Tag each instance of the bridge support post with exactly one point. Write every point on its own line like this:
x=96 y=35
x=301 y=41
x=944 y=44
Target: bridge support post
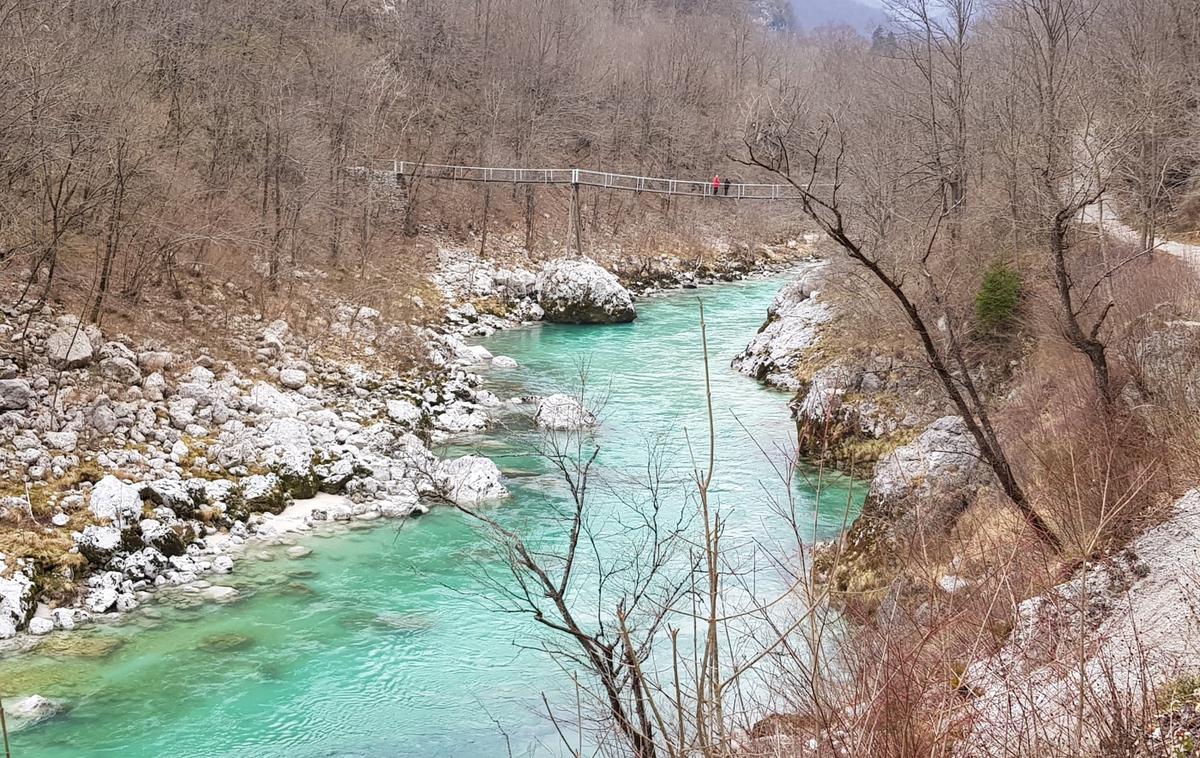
x=575 y=220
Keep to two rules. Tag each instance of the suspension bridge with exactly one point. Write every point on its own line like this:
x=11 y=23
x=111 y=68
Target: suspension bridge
x=405 y=171
x=400 y=175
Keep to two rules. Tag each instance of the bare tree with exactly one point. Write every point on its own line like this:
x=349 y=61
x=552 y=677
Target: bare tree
x=816 y=163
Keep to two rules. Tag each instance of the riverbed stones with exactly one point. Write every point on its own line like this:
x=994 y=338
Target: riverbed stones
x=113 y=500
x=16 y=596
x=163 y=538
x=68 y=348
x=15 y=394
x=40 y=626
x=172 y=493
x=503 y=361
x=264 y=492
x=561 y=413
x=461 y=417
x=475 y=354
x=98 y=543
x=147 y=563
x=293 y=378
x=30 y=710
x=404 y=413
x=578 y=291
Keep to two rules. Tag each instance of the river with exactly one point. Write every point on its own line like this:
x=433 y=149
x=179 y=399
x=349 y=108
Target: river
x=376 y=643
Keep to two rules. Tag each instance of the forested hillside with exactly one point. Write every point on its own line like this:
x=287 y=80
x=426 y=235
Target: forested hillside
x=145 y=143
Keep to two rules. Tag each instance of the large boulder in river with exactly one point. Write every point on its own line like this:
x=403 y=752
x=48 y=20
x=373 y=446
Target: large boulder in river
x=470 y=480
x=30 y=710
x=579 y=291
x=561 y=413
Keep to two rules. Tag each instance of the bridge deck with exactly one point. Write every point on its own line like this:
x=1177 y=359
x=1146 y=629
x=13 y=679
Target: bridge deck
x=583 y=177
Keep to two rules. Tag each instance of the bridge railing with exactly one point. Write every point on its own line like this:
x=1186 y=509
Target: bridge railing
x=603 y=179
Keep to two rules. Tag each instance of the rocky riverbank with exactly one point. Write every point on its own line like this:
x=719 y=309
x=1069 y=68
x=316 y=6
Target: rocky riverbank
x=134 y=467
x=1096 y=646
x=855 y=400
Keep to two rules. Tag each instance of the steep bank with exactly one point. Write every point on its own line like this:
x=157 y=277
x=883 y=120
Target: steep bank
x=856 y=399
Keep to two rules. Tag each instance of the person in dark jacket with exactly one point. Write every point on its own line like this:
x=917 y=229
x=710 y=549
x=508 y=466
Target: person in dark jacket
x=728 y=182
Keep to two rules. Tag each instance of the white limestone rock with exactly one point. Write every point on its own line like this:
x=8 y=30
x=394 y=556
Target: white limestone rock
x=793 y=326
x=69 y=348
x=40 y=626
x=562 y=412
x=578 y=291
x=64 y=441
x=113 y=500
x=404 y=413
x=15 y=394
x=461 y=417
x=120 y=370
x=267 y=400
x=475 y=354
x=30 y=710
x=503 y=361
x=293 y=378
x=16 y=598
x=943 y=459
x=98 y=543
x=154 y=361
x=471 y=480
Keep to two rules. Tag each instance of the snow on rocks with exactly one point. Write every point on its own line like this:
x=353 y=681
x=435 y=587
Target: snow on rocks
x=562 y=412
x=794 y=321
x=578 y=291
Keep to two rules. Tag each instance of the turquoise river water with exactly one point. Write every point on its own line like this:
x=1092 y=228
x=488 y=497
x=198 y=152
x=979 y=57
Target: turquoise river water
x=377 y=644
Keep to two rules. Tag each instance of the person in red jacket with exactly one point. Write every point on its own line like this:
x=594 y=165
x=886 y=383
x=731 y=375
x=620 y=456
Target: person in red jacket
x=716 y=185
